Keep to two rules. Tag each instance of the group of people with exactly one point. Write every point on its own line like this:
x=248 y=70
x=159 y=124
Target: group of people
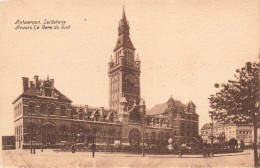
x=93 y=149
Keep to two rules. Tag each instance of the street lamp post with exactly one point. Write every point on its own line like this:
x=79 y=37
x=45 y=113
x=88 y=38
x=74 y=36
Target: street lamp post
x=212 y=134
x=41 y=139
x=143 y=153
x=34 y=145
x=31 y=130
x=143 y=127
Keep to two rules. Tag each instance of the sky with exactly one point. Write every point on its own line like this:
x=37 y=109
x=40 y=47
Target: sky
x=185 y=48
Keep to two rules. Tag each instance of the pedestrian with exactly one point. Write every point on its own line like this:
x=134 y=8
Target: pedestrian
x=208 y=153
x=73 y=148
x=93 y=148
x=204 y=152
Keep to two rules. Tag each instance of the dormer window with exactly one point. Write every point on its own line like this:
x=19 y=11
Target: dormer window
x=47 y=89
x=96 y=118
x=80 y=116
x=111 y=117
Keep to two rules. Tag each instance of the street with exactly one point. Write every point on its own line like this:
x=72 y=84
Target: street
x=49 y=158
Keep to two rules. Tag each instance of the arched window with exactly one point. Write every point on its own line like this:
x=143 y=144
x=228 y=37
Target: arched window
x=111 y=135
x=63 y=110
x=31 y=133
x=97 y=134
x=43 y=108
x=31 y=107
x=49 y=133
x=52 y=109
x=64 y=133
x=80 y=134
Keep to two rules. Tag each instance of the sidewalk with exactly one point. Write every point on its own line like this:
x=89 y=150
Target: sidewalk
x=49 y=158
x=47 y=152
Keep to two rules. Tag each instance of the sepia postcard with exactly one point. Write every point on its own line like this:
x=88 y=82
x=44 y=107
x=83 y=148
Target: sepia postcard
x=130 y=83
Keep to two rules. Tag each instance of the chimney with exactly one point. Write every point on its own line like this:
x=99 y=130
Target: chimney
x=101 y=111
x=25 y=83
x=86 y=109
x=52 y=82
x=36 y=81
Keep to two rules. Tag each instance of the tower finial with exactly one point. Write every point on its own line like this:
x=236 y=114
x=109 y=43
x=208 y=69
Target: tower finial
x=124 y=17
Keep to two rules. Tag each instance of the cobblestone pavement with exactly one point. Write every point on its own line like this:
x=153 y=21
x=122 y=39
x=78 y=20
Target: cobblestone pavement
x=49 y=158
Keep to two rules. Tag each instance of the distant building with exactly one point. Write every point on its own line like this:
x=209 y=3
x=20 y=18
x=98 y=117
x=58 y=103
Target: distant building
x=240 y=132
x=218 y=133
x=8 y=142
x=182 y=118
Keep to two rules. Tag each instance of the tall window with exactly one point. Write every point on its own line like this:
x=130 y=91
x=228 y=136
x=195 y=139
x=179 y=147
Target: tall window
x=63 y=110
x=111 y=135
x=188 y=129
x=64 y=133
x=153 y=137
x=81 y=134
x=182 y=129
x=43 y=108
x=97 y=134
x=20 y=108
x=31 y=107
x=52 y=109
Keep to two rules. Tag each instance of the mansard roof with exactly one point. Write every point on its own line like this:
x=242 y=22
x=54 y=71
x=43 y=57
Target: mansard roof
x=162 y=108
x=158 y=109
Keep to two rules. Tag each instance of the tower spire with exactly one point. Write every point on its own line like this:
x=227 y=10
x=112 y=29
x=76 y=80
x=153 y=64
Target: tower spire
x=123 y=33
x=124 y=17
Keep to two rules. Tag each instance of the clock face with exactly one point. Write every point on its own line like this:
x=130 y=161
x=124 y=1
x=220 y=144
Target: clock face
x=130 y=79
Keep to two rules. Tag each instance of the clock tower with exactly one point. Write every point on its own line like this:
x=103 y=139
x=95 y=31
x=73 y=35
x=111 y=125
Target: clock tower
x=124 y=69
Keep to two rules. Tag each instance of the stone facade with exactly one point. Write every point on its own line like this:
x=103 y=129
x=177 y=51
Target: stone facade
x=124 y=69
x=223 y=133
